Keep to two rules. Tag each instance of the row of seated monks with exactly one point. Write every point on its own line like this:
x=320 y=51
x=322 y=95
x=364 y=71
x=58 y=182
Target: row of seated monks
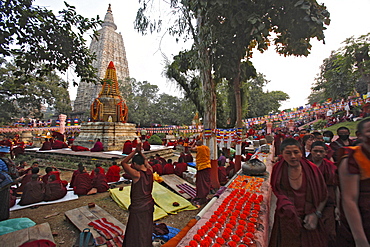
x=35 y=188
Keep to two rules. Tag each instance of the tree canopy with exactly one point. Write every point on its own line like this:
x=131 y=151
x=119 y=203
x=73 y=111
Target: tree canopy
x=34 y=35
x=344 y=72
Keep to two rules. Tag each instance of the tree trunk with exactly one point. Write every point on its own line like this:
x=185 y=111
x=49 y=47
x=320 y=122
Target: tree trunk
x=239 y=122
x=209 y=95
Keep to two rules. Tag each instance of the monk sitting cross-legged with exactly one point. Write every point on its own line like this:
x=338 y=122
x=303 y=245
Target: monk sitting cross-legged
x=54 y=189
x=113 y=173
x=98 y=146
x=82 y=182
x=99 y=181
x=33 y=191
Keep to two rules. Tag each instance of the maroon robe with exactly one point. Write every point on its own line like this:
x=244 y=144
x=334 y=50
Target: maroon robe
x=230 y=168
x=222 y=175
x=100 y=183
x=75 y=173
x=127 y=147
x=203 y=184
x=98 y=147
x=293 y=205
x=180 y=168
x=82 y=184
x=45 y=178
x=140 y=221
x=344 y=235
x=26 y=179
x=54 y=190
x=188 y=158
x=33 y=192
x=158 y=168
x=336 y=145
x=58 y=144
x=46 y=146
x=101 y=171
x=168 y=169
x=146 y=146
x=12 y=198
x=113 y=174
x=77 y=148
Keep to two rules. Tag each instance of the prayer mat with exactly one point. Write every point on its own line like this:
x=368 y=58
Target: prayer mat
x=187 y=189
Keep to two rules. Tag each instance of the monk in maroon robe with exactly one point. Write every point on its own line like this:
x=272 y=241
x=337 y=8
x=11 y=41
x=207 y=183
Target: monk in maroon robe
x=301 y=196
x=28 y=178
x=113 y=173
x=157 y=167
x=99 y=181
x=98 y=146
x=46 y=145
x=82 y=183
x=222 y=175
x=54 y=189
x=33 y=191
x=77 y=148
x=75 y=173
x=188 y=157
x=354 y=177
x=230 y=169
x=180 y=168
x=328 y=170
x=168 y=168
x=127 y=147
x=139 y=228
x=58 y=144
x=134 y=142
x=182 y=155
x=101 y=170
x=146 y=145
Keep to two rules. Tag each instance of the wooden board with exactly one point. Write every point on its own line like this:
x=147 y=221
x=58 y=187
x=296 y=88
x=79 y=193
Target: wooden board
x=82 y=216
x=17 y=238
x=172 y=180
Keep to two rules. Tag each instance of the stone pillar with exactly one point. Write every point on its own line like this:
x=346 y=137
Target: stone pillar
x=62 y=126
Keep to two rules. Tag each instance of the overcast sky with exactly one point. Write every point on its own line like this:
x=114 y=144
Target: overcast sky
x=292 y=75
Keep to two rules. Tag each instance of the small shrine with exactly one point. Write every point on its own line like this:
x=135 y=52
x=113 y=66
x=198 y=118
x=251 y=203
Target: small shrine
x=109 y=106
x=109 y=114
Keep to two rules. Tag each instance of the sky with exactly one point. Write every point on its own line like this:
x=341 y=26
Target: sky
x=292 y=75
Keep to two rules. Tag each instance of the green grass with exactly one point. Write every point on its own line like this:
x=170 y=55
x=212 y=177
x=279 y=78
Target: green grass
x=352 y=126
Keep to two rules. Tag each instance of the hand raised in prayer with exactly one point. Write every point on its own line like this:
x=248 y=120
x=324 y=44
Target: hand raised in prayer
x=310 y=221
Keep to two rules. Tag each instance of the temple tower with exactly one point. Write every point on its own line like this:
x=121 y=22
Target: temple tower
x=108 y=47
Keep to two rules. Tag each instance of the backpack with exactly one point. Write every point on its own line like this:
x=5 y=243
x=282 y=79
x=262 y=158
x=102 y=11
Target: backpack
x=85 y=239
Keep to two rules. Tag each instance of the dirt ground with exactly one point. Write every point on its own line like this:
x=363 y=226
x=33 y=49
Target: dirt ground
x=65 y=233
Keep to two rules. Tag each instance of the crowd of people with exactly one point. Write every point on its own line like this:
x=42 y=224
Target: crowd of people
x=321 y=188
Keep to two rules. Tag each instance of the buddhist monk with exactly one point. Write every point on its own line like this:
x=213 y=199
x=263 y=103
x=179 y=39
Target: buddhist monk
x=113 y=173
x=127 y=147
x=82 y=183
x=101 y=169
x=58 y=144
x=46 y=145
x=75 y=173
x=157 y=167
x=52 y=171
x=222 y=176
x=98 y=146
x=354 y=179
x=188 y=157
x=301 y=195
x=139 y=228
x=134 y=142
x=99 y=181
x=77 y=148
x=54 y=189
x=180 y=167
x=168 y=168
x=33 y=191
x=28 y=178
x=146 y=145
x=328 y=170
x=203 y=177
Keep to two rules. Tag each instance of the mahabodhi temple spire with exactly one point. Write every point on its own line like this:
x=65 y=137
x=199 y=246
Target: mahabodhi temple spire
x=108 y=47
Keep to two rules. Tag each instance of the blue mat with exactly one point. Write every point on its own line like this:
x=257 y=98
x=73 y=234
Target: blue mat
x=192 y=164
x=4 y=149
x=173 y=232
x=16 y=224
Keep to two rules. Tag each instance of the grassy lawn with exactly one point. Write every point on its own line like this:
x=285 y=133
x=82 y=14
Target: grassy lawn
x=352 y=126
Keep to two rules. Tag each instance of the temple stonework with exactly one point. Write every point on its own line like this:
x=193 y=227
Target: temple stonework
x=108 y=47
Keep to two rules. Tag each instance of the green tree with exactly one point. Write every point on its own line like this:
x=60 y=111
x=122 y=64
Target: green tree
x=345 y=71
x=34 y=35
x=24 y=97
